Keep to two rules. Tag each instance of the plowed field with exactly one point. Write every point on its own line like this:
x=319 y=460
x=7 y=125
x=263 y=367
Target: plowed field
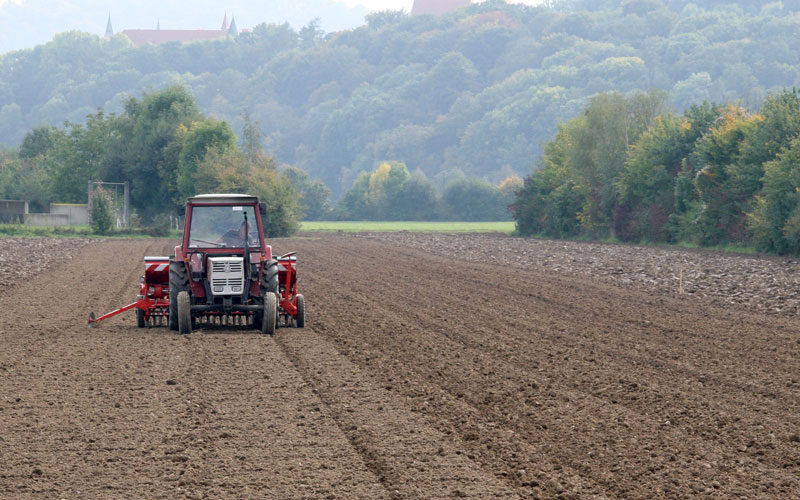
x=419 y=375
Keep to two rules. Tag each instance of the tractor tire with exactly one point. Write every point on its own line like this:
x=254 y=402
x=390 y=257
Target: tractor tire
x=184 y=312
x=269 y=284
x=269 y=279
x=269 y=318
x=300 y=319
x=140 y=322
x=178 y=282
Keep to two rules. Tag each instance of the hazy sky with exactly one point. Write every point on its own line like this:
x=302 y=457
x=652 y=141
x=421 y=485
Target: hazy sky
x=399 y=4
x=26 y=23
x=369 y=4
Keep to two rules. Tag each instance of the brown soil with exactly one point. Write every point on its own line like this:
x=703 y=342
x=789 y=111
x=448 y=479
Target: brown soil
x=768 y=284
x=22 y=258
x=419 y=375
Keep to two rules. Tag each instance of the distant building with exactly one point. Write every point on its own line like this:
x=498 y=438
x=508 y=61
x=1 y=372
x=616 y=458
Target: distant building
x=437 y=7
x=157 y=36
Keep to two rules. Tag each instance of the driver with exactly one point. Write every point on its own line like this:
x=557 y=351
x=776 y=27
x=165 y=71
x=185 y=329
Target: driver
x=235 y=237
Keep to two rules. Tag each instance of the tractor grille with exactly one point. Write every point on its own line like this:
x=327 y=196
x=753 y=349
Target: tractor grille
x=226 y=275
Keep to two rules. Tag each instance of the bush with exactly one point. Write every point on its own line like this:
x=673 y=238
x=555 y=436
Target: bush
x=102 y=215
x=160 y=226
x=473 y=199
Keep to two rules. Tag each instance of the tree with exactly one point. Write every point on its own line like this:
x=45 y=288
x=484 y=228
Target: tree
x=277 y=192
x=379 y=19
x=197 y=140
x=473 y=200
x=314 y=194
x=720 y=183
x=152 y=146
x=645 y=187
x=416 y=200
x=775 y=219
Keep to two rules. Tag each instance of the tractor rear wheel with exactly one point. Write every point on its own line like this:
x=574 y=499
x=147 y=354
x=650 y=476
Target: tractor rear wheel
x=270 y=315
x=269 y=279
x=184 y=312
x=300 y=319
x=269 y=284
x=140 y=318
x=178 y=281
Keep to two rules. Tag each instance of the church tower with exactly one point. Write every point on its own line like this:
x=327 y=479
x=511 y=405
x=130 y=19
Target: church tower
x=225 y=26
x=233 y=30
x=109 y=29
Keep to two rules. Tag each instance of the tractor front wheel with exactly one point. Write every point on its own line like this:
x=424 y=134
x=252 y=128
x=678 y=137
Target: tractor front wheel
x=300 y=319
x=270 y=314
x=184 y=312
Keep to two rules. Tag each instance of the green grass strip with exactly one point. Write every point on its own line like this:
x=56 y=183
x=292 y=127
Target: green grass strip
x=415 y=226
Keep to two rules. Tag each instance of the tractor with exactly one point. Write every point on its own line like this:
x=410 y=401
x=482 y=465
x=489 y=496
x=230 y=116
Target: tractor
x=223 y=272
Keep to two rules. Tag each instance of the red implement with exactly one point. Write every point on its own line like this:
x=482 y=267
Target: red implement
x=152 y=304
x=291 y=303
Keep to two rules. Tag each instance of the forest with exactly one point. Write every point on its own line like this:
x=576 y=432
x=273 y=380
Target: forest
x=715 y=175
x=476 y=93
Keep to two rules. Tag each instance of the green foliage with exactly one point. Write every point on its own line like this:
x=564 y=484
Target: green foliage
x=101 y=216
x=163 y=147
x=314 y=194
x=390 y=192
x=717 y=176
x=197 y=140
x=577 y=188
x=471 y=199
x=232 y=171
x=480 y=90
x=775 y=219
x=160 y=227
x=280 y=196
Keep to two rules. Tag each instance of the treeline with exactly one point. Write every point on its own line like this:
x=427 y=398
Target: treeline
x=392 y=193
x=714 y=175
x=475 y=93
x=168 y=151
x=164 y=146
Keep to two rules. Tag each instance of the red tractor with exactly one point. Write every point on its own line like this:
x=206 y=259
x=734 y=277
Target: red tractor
x=222 y=272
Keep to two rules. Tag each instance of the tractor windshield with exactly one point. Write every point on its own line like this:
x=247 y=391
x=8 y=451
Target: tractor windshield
x=222 y=227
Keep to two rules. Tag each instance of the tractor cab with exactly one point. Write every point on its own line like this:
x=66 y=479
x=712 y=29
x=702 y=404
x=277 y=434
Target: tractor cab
x=221 y=221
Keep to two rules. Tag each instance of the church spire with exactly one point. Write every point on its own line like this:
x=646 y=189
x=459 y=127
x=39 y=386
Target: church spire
x=158 y=24
x=225 y=22
x=233 y=30
x=109 y=29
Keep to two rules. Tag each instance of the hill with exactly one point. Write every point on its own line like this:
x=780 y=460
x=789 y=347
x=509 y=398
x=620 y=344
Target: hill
x=478 y=91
